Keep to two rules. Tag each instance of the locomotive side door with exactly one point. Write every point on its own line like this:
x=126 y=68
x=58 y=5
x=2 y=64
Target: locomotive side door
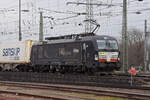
x=87 y=51
x=34 y=55
x=84 y=53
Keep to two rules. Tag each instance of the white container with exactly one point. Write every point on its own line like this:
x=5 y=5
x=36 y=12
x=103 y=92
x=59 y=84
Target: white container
x=15 y=52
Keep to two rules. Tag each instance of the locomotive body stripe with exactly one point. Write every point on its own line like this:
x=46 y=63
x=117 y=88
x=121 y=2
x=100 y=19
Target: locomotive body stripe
x=114 y=60
x=104 y=60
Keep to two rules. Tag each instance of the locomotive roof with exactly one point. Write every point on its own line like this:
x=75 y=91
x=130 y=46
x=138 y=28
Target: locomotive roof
x=70 y=36
x=100 y=37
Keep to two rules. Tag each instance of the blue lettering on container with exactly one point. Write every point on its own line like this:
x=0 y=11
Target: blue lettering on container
x=11 y=51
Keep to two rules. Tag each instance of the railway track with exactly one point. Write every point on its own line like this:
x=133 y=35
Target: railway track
x=136 y=94
x=29 y=95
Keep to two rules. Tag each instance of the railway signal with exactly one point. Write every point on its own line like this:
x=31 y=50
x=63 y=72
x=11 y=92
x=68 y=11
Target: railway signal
x=132 y=71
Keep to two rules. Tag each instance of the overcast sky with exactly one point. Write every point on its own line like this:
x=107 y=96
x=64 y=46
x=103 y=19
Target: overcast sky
x=63 y=20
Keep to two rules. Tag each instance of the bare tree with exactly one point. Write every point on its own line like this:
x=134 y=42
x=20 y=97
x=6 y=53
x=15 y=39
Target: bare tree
x=135 y=48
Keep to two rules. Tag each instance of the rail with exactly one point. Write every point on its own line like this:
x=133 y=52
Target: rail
x=81 y=89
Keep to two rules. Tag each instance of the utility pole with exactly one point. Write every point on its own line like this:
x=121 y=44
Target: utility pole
x=89 y=16
x=125 y=36
x=41 y=27
x=89 y=13
x=146 y=58
x=20 y=35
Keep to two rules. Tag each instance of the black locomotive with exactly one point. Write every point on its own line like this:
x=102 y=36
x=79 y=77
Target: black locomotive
x=76 y=53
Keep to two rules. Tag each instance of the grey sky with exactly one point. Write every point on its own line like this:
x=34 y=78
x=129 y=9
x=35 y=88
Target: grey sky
x=63 y=23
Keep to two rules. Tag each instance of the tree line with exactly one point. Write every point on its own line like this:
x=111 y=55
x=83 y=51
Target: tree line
x=135 y=49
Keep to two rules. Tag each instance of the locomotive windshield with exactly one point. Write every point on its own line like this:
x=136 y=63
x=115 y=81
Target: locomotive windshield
x=107 y=44
x=101 y=44
x=112 y=44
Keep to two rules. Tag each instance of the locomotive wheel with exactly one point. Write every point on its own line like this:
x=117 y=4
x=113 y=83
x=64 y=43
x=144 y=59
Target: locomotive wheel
x=22 y=68
x=90 y=71
x=53 y=70
x=62 y=70
x=1 y=68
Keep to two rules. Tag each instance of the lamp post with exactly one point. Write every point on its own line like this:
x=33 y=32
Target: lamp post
x=20 y=35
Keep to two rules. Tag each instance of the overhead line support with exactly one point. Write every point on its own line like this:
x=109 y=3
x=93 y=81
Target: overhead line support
x=124 y=37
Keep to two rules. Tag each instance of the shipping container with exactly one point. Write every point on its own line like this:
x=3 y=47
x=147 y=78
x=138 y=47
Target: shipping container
x=15 y=52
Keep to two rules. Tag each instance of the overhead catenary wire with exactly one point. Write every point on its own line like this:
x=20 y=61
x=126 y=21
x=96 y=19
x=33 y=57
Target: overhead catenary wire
x=67 y=16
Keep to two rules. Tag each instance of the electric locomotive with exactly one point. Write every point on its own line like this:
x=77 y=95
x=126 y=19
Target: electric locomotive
x=76 y=53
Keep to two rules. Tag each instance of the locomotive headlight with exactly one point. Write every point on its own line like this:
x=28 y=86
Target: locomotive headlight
x=96 y=57
x=102 y=56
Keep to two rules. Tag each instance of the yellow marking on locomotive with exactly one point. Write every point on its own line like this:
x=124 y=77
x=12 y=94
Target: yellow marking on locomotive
x=101 y=53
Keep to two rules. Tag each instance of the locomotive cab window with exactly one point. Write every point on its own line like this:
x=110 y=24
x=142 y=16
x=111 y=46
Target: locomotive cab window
x=101 y=44
x=112 y=44
x=107 y=44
